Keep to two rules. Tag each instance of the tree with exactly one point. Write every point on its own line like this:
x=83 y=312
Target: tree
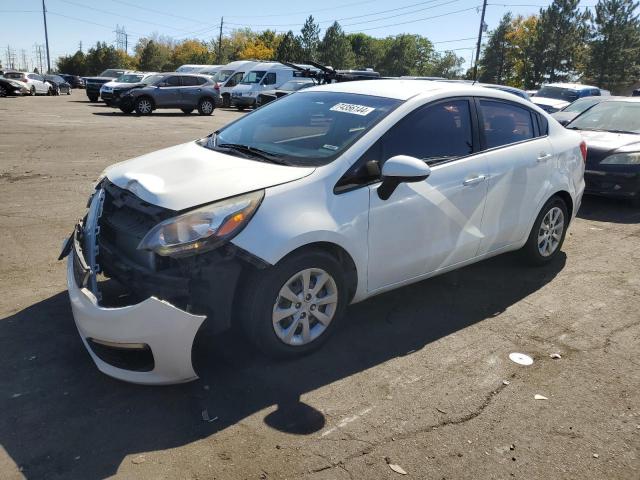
x=153 y=57
x=496 y=63
x=335 y=48
x=73 y=64
x=191 y=51
x=447 y=65
x=256 y=51
x=406 y=54
x=289 y=49
x=310 y=39
x=101 y=57
x=527 y=51
x=563 y=31
x=615 y=44
x=368 y=51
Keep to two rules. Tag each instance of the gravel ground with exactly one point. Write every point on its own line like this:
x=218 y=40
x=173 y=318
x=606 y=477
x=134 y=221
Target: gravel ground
x=419 y=377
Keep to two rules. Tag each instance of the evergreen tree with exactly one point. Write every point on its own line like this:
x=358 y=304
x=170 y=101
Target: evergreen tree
x=152 y=58
x=615 y=44
x=310 y=39
x=496 y=63
x=101 y=57
x=73 y=64
x=289 y=48
x=335 y=48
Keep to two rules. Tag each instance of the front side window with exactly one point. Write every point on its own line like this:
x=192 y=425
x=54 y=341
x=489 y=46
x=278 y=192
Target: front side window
x=270 y=79
x=234 y=80
x=253 y=77
x=505 y=123
x=153 y=79
x=306 y=129
x=172 y=81
x=434 y=133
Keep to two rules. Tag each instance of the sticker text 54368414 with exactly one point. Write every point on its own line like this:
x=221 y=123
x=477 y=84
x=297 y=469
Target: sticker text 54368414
x=352 y=108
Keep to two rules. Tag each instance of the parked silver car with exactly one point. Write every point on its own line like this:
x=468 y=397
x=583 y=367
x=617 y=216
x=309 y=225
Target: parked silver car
x=171 y=90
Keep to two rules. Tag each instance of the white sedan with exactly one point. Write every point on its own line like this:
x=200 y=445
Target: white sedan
x=318 y=200
x=35 y=82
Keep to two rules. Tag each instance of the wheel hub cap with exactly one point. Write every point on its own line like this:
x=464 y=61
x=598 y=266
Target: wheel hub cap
x=550 y=232
x=305 y=306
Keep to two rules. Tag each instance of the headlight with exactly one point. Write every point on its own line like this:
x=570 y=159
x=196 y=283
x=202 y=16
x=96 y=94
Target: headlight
x=204 y=228
x=632 y=158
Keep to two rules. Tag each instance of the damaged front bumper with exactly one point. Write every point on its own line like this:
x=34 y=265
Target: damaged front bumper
x=152 y=326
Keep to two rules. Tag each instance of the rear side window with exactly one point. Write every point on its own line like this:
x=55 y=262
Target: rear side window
x=201 y=80
x=434 y=133
x=505 y=123
x=189 y=81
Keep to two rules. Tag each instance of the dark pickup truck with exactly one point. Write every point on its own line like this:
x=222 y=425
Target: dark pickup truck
x=93 y=84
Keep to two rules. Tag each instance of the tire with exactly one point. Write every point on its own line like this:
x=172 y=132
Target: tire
x=143 y=106
x=93 y=98
x=69 y=92
x=186 y=111
x=126 y=110
x=226 y=101
x=262 y=295
x=240 y=108
x=3 y=91
x=544 y=243
x=32 y=92
x=206 y=106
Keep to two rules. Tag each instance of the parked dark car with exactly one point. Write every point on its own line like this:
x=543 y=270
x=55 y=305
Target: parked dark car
x=636 y=93
x=612 y=132
x=574 y=109
x=75 y=81
x=93 y=84
x=171 y=90
x=59 y=84
x=10 y=87
x=289 y=87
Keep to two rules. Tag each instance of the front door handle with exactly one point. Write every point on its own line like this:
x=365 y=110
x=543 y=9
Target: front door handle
x=474 y=180
x=544 y=157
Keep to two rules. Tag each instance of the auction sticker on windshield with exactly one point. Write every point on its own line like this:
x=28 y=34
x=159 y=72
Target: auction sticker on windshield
x=352 y=108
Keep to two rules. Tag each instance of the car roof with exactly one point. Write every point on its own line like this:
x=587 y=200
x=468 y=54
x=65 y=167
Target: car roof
x=621 y=99
x=404 y=89
x=571 y=86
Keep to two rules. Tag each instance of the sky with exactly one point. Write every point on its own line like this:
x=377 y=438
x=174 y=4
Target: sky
x=449 y=24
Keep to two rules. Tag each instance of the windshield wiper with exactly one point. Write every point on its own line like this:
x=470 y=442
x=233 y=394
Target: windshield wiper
x=253 y=151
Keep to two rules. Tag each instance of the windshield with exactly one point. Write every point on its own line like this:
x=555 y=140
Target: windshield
x=293 y=85
x=610 y=116
x=129 y=78
x=112 y=73
x=253 y=77
x=558 y=93
x=14 y=75
x=308 y=128
x=222 y=75
x=152 y=79
x=54 y=78
x=581 y=104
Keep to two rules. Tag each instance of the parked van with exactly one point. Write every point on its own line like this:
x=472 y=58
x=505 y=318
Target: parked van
x=263 y=76
x=193 y=68
x=230 y=75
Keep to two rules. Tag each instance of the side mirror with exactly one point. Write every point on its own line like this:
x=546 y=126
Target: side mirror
x=564 y=122
x=401 y=169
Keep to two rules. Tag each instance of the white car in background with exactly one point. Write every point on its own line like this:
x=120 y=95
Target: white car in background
x=35 y=82
x=322 y=199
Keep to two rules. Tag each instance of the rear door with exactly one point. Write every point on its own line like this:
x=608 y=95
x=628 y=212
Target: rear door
x=429 y=225
x=168 y=94
x=521 y=160
x=191 y=90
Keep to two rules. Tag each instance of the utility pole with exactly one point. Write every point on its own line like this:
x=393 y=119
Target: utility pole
x=25 y=63
x=482 y=28
x=38 y=49
x=46 y=36
x=80 y=46
x=11 y=58
x=220 y=41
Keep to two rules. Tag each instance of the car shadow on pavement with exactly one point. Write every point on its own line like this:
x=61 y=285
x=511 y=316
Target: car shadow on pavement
x=603 y=209
x=61 y=418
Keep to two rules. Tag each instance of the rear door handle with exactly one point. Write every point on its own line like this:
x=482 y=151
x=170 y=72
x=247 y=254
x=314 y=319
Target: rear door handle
x=474 y=180
x=544 y=157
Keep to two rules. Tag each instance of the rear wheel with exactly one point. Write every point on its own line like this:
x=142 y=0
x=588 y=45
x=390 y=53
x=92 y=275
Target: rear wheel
x=3 y=91
x=186 y=111
x=206 y=106
x=548 y=232
x=32 y=92
x=292 y=308
x=143 y=106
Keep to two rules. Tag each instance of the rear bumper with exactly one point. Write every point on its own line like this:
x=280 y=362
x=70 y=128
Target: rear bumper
x=612 y=184
x=167 y=331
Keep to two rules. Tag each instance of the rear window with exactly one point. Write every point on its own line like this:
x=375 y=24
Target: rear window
x=558 y=93
x=13 y=75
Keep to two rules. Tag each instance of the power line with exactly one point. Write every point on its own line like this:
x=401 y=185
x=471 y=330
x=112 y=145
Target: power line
x=138 y=35
x=400 y=14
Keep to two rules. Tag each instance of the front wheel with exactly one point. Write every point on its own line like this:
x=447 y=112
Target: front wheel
x=292 y=308
x=93 y=98
x=126 y=109
x=206 y=106
x=3 y=91
x=548 y=232
x=143 y=106
x=32 y=92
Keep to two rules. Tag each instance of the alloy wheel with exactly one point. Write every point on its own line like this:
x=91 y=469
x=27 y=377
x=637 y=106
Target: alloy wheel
x=305 y=306
x=144 y=106
x=550 y=232
x=206 y=106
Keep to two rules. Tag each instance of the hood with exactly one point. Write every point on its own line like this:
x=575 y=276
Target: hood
x=549 y=102
x=113 y=83
x=189 y=175
x=565 y=117
x=99 y=79
x=602 y=144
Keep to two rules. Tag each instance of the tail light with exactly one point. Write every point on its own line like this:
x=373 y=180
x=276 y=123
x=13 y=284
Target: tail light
x=217 y=87
x=583 y=151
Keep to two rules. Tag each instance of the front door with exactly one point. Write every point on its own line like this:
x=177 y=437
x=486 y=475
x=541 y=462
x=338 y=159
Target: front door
x=429 y=225
x=169 y=92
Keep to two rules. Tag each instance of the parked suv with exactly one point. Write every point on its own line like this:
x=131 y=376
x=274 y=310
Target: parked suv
x=121 y=84
x=75 y=81
x=58 y=84
x=93 y=84
x=172 y=90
